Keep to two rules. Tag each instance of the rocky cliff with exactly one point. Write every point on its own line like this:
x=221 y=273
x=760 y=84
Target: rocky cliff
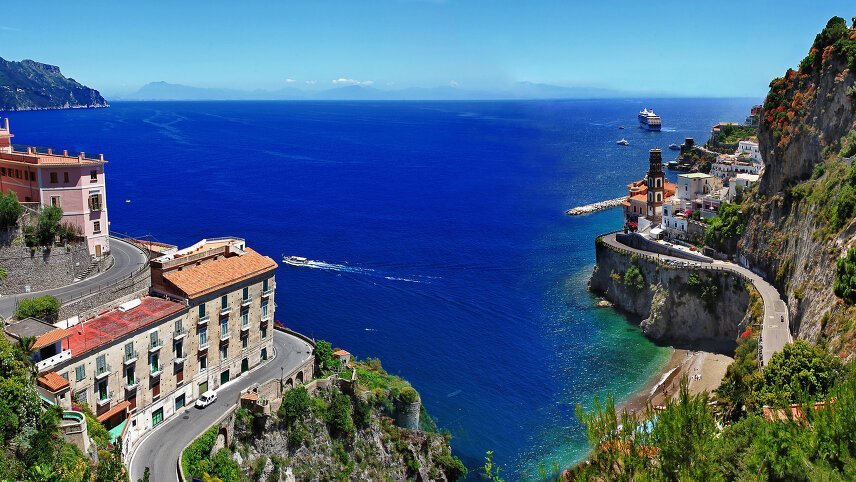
x=801 y=215
x=30 y=85
x=685 y=308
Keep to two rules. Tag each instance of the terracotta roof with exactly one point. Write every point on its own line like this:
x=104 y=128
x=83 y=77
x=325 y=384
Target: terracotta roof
x=341 y=352
x=639 y=197
x=113 y=411
x=106 y=328
x=50 y=338
x=53 y=382
x=252 y=396
x=215 y=274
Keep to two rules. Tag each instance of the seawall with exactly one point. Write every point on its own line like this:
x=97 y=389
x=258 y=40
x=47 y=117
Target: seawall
x=684 y=307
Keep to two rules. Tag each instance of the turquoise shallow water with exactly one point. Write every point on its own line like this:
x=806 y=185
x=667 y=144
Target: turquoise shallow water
x=441 y=227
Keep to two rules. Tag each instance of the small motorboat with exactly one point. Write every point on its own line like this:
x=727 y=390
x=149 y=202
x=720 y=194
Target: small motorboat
x=674 y=147
x=623 y=142
x=621 y=127
x=295 y=260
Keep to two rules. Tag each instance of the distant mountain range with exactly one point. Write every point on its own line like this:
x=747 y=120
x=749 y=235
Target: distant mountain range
x=31 y=85
x=519 y=90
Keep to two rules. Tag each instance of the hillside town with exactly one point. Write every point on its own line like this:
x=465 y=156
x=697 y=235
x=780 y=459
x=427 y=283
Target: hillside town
x=679 y=211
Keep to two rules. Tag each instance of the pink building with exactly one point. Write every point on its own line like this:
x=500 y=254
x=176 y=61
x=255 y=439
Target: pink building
x=74 y=183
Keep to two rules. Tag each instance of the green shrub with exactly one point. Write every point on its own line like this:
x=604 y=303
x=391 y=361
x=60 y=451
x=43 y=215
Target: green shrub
x=43 y=308
x=408 y=395
x=845 y=277
x=451 y=466
x=194 y=459
x=324 y=358
x=633 y=278
x=10 y=210
x=48 y=226
x=800 y=372
x=724 y=229
x=362 y=413
x=341 y=420
x=295 y=404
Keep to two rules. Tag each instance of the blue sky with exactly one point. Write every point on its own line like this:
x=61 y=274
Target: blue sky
x=710 y=48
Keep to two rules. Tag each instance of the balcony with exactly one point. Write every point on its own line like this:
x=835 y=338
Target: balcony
x=179 y=333
x=157 y=370
x=54 y=360
x=155 y=345
x=246 y=302
x=269 y=291
x=224 y=335
x=130 y=358
x=105 y=400
x=203 y=320
x=131 y=387
x=102 y=371
x=265 y=318
x=225 y=311
x=179 y=360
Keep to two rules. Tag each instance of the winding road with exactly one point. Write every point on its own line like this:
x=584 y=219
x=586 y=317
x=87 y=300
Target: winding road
x=160 y=448
x=127 y=260
x=775 y=331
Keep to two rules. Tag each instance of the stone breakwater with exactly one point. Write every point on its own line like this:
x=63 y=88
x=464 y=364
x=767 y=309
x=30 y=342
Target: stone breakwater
x=598 y=206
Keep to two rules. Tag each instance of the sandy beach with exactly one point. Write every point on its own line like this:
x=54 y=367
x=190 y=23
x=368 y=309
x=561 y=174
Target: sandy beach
x=704 y=370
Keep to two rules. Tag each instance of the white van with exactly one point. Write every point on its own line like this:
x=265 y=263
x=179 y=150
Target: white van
x=206 y=399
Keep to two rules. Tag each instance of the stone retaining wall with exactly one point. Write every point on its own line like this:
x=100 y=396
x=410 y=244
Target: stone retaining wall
x=108 y=296
x=43 y=268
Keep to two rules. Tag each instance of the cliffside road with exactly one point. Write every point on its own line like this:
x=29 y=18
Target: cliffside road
x=775 y=332
x=127 y=260
x=159 y=449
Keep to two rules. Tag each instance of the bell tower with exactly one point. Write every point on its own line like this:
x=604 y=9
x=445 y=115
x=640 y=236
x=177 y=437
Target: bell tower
x=656 y=186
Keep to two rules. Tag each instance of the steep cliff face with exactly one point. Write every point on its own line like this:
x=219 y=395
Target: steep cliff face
x=800 y=217
x=677 y=306
x=30 y=85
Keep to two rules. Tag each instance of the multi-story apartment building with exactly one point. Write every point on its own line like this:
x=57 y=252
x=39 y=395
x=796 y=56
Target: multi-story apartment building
x=75 y=183
x=209 y=319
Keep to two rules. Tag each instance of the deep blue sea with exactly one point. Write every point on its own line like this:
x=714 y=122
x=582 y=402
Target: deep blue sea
x=439 y=231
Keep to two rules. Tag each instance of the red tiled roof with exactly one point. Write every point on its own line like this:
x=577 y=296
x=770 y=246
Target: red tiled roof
x=113 y=411
x=53 y=382
x=639 y=197
x=215 y=274
x=50 y=338
x=340 y=352
x=115 y=324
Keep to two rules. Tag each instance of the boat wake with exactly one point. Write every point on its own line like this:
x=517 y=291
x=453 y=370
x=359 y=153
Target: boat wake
x=344 y=268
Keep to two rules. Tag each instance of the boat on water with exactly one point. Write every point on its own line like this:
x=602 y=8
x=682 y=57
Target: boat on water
x=649 y=120
x=674 y=147
x=295 y=260
x=623 y=142
x=621 y=127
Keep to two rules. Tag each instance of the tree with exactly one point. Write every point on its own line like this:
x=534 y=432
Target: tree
x=324 y=357
x=294 y=405
x=724 y=229
x=845 y=277
x=800 y=372
x=341 y=420
x=633 y=278
x=10 y=210
x=48 y=226
x=43 y=308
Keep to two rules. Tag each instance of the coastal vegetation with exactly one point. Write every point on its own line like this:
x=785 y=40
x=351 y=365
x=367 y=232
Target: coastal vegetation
x=10 y=210
x=845 y=277
x=726 y=138
x=32 y=447
x=690 y=439
x=724 y=230
x=348 y=430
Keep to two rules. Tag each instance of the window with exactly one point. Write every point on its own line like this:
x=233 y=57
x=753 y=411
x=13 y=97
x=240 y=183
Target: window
x=224 y=302
x=203 y=363
x=103 y=394
x=96 y=227
x=154 y=362
x=264 y=333
x=54 y=178
x=18 y=173
x=156 y=392
x=154 y=340
x=129 y=351
x=202 y=310
x=179 y=377
x=80 y=372
x=100 y=364
x=55 y=202
x=95 y=202
x=130 y=378
x=263 y=355
x=246 y=294
x=244 y=342
x=65 y=177
x=2 y=171
x=245 y=319
x=32 y=176
x=93 y=176
x=203 y=336
x=224 y=353
x=265 y=285
x=264 y=309
x=224 y=327
x=179 y=349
